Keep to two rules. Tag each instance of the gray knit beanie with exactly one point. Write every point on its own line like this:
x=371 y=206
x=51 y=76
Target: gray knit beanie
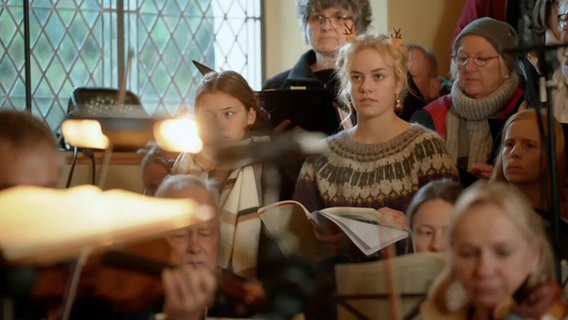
x=500 y=34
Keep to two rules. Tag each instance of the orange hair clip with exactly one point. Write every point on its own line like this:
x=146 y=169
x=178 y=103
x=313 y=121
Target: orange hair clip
x=349 y=32
x=397 y=38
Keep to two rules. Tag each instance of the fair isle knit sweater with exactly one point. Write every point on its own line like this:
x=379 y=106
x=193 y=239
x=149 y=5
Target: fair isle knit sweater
x=373 y=175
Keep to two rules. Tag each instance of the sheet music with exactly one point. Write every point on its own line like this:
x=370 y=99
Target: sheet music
x=368 y=237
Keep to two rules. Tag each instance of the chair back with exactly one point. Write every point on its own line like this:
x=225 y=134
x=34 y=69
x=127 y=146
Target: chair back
x=103 y=102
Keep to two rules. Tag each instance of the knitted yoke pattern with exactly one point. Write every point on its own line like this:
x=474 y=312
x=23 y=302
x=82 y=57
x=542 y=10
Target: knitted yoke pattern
x=373 y=175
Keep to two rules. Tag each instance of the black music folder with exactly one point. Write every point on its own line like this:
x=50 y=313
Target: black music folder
x=312 y=110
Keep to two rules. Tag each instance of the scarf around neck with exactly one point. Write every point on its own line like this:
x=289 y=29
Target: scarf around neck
x=473 y=113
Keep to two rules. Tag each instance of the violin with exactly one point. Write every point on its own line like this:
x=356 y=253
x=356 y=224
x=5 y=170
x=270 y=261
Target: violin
x=121 y=289
x=129 y=280
x=542 y=300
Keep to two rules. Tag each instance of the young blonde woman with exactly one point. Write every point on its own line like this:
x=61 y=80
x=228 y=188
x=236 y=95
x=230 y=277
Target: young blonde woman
x=500 y=261
x=382 y=161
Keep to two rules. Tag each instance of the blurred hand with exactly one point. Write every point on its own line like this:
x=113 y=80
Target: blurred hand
x=393 y=218
x=282 y=126
x=188 y=291
x=481 y=170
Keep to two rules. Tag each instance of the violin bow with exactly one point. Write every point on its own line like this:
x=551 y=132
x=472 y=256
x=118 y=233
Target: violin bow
x=121 y=97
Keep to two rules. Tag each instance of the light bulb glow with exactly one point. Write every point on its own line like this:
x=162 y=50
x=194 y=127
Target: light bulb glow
x=84 y=133
x=178 y=135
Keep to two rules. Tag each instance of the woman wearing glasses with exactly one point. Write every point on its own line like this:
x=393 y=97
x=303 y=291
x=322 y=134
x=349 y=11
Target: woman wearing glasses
x=486 y=86
x=322 y=23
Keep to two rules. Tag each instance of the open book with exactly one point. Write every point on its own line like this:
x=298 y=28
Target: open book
x=291 y=224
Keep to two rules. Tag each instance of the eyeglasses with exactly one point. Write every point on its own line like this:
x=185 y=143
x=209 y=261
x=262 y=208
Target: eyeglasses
x=563 y=21
x=479 y=61
x=336 y=19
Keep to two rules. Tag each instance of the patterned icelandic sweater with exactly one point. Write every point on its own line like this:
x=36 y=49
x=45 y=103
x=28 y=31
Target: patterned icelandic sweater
x=378 y=175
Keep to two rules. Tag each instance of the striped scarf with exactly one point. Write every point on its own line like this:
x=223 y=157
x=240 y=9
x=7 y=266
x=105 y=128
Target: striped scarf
x=240 y=197
x=240 y=224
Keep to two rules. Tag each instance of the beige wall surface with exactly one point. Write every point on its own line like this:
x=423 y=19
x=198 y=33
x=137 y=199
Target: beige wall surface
x=427 y=22
x=430 y=23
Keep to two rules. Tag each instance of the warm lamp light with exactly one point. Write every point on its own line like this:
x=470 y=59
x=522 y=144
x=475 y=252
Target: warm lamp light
x=178 y=135
x=84 y=133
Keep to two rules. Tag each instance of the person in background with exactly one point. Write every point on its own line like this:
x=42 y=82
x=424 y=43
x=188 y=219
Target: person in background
x=382 y=161
x=522 y=16
x=498 y=253
x=423 y=67
x=227 y=106
x=523 y=162
x=155 y=166
x=486 y=86
x=322 y=23
x=429 y=214
x=424 y=85
x=28 y=156
x=28 y=152
x=524 y=153
x=560 y=93
x=545 y=20
x=192 y=289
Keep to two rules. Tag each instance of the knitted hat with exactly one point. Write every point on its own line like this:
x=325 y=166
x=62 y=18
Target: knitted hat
x=500 y=34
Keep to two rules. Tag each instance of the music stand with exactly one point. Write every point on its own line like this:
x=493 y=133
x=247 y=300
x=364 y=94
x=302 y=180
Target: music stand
x=363 y=288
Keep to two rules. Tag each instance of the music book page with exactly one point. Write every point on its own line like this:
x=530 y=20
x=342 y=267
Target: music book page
x=40 y=225
x=360 y=225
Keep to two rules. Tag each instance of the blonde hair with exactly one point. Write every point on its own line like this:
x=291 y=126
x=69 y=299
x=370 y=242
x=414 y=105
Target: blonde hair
x=518 y=210
x=383 y=44
x=533 y=115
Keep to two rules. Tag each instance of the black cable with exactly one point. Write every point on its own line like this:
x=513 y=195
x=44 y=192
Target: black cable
x=91 y=155
x=72 y=169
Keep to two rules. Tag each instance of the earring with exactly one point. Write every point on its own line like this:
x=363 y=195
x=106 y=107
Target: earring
x=398 y=105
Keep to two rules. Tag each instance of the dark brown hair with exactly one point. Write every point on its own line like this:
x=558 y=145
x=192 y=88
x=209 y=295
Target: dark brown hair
x=235 y=85
x=23 y=130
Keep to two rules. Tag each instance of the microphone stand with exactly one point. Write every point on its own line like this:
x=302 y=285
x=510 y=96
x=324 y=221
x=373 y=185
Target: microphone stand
x=547 y=102
x=528 y=39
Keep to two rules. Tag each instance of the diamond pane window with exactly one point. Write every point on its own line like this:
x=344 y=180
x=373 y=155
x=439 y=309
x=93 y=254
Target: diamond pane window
x=78 y=43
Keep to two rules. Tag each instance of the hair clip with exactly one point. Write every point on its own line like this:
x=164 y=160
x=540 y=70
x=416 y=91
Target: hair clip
x=349 y=32
x=397 y=38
